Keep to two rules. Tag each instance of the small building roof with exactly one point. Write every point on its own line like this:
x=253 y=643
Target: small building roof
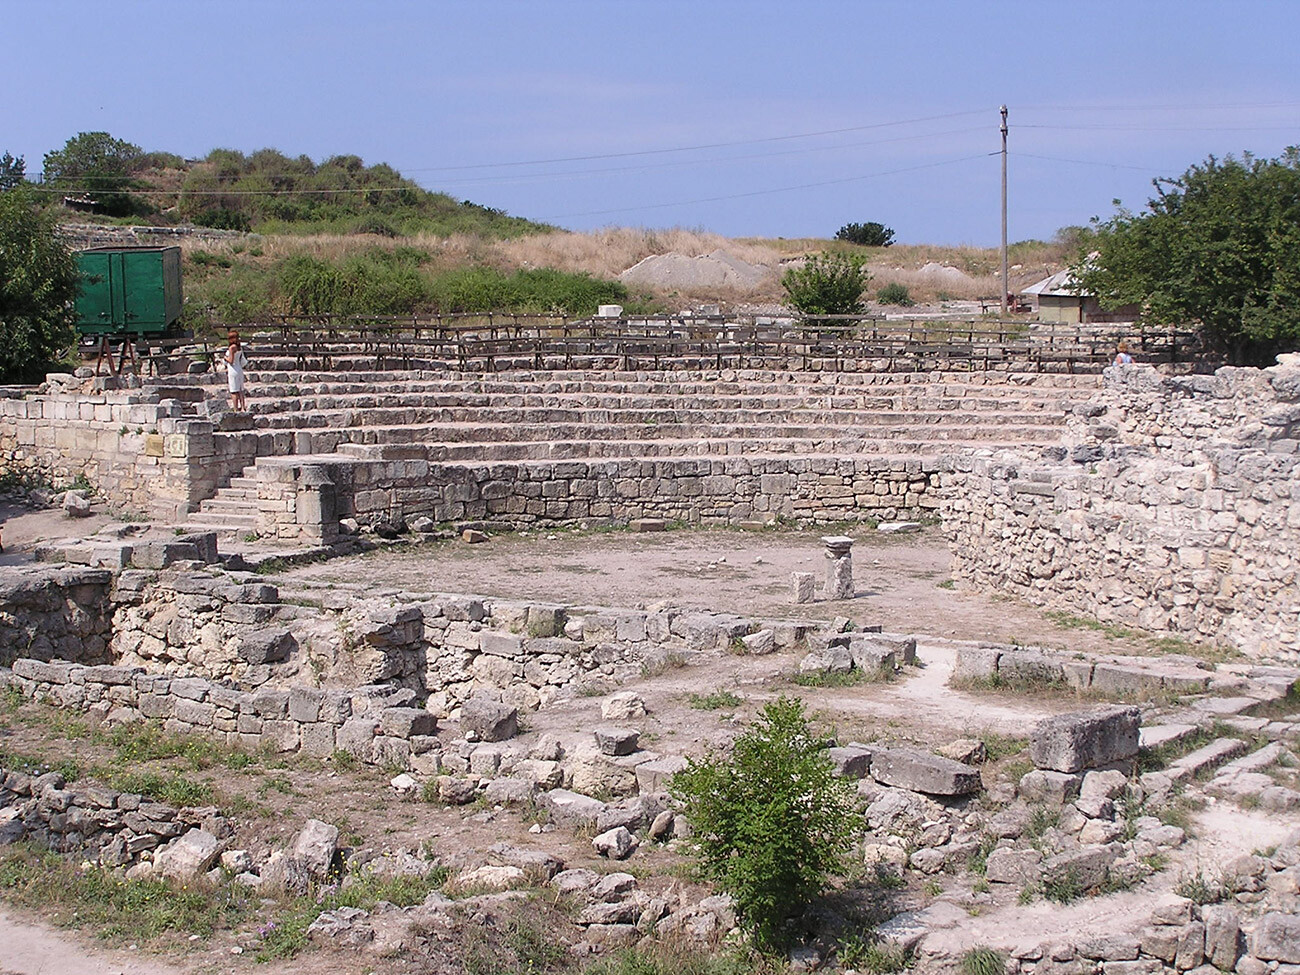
x=1061 y=284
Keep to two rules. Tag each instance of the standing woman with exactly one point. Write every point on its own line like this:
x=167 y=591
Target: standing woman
x=236 y=363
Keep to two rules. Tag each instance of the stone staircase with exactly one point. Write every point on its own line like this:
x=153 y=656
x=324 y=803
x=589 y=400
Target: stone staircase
x=534 y=417
x=540 y=416
x=232 y=511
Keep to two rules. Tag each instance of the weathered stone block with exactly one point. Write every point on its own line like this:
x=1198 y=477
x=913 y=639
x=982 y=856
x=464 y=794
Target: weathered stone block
x=1084 y=740
x=919 y=771
x=406 y=722
x=613 y=740
x=1277 y=938
x=490 y=720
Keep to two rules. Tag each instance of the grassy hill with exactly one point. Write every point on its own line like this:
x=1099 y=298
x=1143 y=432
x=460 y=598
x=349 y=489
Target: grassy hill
x=271 y=193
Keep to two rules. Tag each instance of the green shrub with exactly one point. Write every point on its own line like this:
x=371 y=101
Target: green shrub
x=895 y=294
x=772 y=822
x=222 y=218
x=827 y=284
x=38 y=284
x=870 y=234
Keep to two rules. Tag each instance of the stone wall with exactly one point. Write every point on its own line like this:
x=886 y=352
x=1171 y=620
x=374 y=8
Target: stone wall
x=116 y=828
x=138 y=447
x=1170 y=505
x=387 y=483
x=219 y=654
x=56 y=613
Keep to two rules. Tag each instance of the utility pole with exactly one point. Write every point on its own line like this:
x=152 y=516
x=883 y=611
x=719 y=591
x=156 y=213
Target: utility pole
x=1004 y=212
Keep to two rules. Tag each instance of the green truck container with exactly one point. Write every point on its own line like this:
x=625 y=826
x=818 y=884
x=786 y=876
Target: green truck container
x=128 y=290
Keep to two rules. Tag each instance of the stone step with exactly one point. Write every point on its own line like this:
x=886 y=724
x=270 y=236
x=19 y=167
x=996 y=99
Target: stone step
x=648 y=378
x=707 y=421
x=228 y=523
x=224 y=504
x=1215 y=753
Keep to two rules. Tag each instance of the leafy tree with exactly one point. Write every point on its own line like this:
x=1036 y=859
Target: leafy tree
x=772 y=821
x=13 y=171
x=99 y=165
x=38 y=285
x=1218 y=246
x=827 y=284
x=868 y=234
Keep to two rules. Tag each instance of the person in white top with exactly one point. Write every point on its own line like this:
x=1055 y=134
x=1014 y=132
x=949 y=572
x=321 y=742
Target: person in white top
x=1122 y=357
x=236 y=363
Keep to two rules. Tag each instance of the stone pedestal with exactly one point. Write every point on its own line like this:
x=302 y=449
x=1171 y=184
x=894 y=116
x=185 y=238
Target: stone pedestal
x=803 y=587
x=839 y=567
x=316 y=509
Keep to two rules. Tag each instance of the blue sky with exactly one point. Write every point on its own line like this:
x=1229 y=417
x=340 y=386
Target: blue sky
x=814 y=113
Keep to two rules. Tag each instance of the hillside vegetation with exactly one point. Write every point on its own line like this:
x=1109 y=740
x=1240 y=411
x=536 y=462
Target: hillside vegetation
x=343 y=237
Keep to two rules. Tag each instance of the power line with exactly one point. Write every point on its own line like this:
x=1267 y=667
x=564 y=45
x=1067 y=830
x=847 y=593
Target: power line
x=768 y=192
x=1082 y=162
x=230 y=190
x=696 y=148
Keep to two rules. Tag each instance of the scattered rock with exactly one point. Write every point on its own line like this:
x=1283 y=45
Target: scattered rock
x=623 y=706
x=617 y=844
x=315 y=846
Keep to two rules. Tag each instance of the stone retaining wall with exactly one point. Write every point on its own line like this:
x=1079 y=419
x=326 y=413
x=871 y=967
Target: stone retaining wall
x=137 y=447
x=367 y=676
x=56 y=613
x=388 y=483
x=1170 y=505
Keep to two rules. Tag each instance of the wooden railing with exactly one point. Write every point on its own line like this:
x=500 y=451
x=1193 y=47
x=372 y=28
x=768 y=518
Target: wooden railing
x=492 y=341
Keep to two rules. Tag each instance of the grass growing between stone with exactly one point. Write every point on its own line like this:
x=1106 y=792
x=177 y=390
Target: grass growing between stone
x=286 y=936
x=670 y=960
x=113 y=908
x=716 y=701
x=1142 y=642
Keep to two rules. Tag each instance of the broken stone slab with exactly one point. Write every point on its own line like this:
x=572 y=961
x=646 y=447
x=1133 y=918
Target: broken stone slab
x=760 y=643
x=832 y=660
x=617 y=843
x=1215 y=753
x=571 y=808
x=803 y=587
x=1223 y=941
x=613 y=740
x=1056 y=788
x=1153 y=736
x=623 y=706
x=1226 y=706
x=898 y=527
x=1029 y=667
x=871 y=657
x=851 y=761
x=975 y=664
x=490 y=720
x=1008 y=866
x=1089 y=867
x=1087 y=739
x=918 y=771
x=266 y=646
x=654 y=776
x=188 y=856
x=648 y=525
x=1277 y=938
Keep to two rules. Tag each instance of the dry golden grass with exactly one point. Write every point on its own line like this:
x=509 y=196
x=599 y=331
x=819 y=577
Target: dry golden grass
x=607 y=253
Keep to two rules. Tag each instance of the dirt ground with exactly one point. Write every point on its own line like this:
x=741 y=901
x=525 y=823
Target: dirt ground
x=902 y=584
x=902 y=581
